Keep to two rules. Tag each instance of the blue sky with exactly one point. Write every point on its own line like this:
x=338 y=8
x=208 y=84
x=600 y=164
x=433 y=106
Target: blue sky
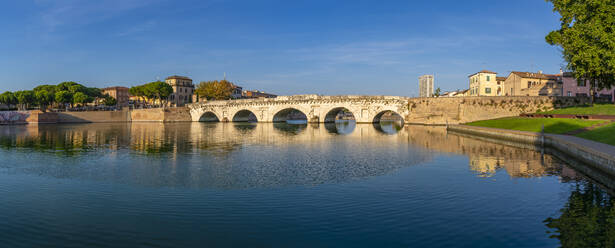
x=285 y=47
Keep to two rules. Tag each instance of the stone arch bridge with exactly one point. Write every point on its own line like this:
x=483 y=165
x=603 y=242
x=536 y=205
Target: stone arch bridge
x=370 y=109
x=317 y=109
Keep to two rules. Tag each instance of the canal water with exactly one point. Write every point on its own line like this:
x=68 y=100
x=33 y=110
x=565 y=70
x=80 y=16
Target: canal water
x=282 y=185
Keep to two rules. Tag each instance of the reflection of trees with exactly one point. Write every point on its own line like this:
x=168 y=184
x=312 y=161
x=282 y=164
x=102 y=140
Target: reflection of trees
x=587 y=219
x=66 y=140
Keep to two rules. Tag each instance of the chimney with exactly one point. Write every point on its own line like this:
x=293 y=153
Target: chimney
x=561 y=71
x=539 y=72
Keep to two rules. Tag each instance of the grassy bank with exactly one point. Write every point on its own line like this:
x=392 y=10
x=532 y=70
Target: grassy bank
x=597 y=109
x=604 y=134
x=552 y=125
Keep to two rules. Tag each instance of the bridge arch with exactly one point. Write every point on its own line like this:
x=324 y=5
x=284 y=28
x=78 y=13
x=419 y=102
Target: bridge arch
x=290 y=113
x=388 y=115
x=209 y=116
x=344 y=113
x=244 y=115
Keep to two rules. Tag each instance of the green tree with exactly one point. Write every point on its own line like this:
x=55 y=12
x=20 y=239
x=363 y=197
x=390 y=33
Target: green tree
x=94 y=92
x=137 y=91
x=159 y=90
x=109 y=101
x=49 y=90
x=63 y=97
x=44 y=98
x=153 y=91
x=65 y=86
x=78 y=88
x=81 y=98
x=438 y=92
x=25 y=98
x=587 y=39
x=215 y=90
x=8 y=98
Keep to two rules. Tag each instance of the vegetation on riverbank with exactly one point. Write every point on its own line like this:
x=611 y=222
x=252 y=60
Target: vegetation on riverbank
x=552 y=125
x=61 y=95
x=597 y=109
x=604 y=134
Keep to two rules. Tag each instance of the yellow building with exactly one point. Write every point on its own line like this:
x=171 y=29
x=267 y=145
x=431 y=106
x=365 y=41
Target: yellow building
x=484 y=83
x=182 y=90
x=533 y=84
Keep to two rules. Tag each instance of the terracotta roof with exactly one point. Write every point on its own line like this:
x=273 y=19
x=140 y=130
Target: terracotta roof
x=116 y=88
x=483 y=71
x=500 y=78
x=536 y=75
x=179 y=77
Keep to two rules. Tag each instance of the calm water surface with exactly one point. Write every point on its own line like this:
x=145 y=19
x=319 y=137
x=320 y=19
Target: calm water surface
x=281 y=185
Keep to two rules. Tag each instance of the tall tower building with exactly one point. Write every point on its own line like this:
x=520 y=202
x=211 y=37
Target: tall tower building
x=426 y=86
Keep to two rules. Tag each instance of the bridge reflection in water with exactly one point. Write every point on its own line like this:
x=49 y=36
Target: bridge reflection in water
x=346 y=160
x=205 y=155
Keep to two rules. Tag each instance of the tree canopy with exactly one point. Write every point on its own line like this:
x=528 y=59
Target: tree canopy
x=587 y=39
x=152 y=91
x=46 y=95
x=215 y=90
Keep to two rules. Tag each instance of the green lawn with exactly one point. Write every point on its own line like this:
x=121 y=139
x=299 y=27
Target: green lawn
x=604 y=134
x=597 y=109
x=552 y=125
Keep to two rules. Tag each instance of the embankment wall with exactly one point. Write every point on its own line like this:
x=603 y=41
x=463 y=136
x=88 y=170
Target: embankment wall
x=161 y=115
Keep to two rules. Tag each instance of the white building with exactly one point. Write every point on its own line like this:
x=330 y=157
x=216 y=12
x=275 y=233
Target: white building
x=426 y=86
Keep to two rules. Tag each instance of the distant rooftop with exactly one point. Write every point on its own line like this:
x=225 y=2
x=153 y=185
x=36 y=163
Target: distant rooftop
x=484 y=71
x=536 y=75
x=179 y=77
x=116 y=88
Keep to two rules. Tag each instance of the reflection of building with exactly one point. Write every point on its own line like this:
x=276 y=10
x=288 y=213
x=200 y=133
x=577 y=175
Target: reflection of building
x=572 y=87
x=182 y=90
x=485 y=158
x=533 y=84
x=484 y=83
x=426 y=86
x=119 y=93
x=257 y=94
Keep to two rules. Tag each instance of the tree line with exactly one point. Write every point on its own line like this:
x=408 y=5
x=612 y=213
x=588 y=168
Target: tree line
x=61 y=95
x=75 y=94
x=215 y=90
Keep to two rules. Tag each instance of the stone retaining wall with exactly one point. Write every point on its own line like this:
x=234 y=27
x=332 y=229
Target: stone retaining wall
x=456 y=110
x=161 y=115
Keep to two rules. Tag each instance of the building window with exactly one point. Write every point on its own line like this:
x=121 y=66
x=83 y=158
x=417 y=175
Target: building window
x=487 y=90
x=581 y=83
x=569 y=93
x=488 y=78
x=529 y=84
